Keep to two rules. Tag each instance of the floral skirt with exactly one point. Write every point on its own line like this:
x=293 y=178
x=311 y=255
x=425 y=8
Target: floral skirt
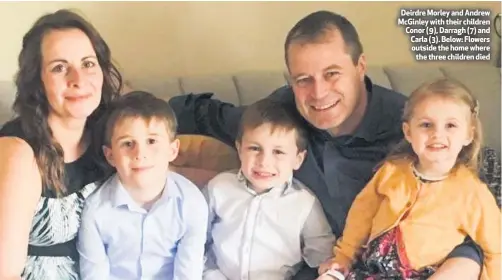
x=386 y=259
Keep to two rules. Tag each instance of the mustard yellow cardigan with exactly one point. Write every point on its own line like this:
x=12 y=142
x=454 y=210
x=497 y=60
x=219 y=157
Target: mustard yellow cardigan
x=438 y=220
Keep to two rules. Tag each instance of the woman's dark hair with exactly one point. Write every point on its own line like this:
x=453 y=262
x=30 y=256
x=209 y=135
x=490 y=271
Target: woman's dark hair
x=31 y=103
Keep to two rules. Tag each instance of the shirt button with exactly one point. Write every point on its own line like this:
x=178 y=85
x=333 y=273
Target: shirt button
x=408 y=204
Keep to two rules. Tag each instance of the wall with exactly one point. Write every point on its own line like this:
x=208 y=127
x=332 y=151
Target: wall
x=158 y=39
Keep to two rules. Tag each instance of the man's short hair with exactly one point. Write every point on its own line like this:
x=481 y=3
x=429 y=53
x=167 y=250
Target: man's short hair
x=275 y=113
x=315 y=27
x=139 y=104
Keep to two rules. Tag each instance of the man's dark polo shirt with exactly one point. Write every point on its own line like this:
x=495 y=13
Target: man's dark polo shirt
x=336 y=168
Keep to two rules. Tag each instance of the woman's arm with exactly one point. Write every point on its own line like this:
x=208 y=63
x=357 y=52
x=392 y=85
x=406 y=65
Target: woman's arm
x=20 y=190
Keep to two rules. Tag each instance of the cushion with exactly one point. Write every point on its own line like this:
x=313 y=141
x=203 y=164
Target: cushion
x=201 y=157
x=406 y=78
x=250 y=91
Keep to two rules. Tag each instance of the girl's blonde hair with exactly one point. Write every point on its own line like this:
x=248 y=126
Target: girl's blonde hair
x=450 y=89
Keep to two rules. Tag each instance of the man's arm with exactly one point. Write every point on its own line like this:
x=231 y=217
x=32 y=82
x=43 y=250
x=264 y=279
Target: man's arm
x=94 y=263
x=201 y=114
x=189 y=260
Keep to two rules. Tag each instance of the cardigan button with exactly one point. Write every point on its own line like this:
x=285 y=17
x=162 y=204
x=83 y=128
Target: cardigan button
x=408 y=204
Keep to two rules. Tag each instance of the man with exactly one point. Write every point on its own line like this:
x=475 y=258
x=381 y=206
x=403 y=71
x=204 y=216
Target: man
x=352 y=123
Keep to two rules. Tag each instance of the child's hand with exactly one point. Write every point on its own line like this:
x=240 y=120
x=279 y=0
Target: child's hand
x=333 y=265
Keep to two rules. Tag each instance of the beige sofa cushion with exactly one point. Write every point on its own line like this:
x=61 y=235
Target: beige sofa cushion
x=405 y=79
x=252 y=86
x=200 y=158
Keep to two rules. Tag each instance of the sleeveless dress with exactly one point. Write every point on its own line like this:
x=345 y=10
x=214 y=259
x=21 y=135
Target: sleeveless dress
x=52 y=253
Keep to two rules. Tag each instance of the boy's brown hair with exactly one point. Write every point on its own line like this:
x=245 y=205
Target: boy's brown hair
x=139 y=104
x=272 y=112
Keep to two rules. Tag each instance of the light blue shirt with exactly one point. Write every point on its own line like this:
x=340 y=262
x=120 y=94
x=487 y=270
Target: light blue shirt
x=120 y=240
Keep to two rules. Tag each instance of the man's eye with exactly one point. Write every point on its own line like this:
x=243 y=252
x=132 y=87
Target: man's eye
x=332 y=74
x=278 y=152
x=302 y=81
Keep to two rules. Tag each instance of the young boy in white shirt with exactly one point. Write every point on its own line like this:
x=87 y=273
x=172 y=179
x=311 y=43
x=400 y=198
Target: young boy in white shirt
x=264 y=223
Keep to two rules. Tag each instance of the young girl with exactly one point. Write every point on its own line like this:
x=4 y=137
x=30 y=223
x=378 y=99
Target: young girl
x=425 y=198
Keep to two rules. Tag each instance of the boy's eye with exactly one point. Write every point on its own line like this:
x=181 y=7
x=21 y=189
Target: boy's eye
x=152 y=141
x=127 y=144
x=451 y=125
x=425 y=124
x=253 y=148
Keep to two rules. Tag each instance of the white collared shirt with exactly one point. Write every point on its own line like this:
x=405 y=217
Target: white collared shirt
x=263 y=236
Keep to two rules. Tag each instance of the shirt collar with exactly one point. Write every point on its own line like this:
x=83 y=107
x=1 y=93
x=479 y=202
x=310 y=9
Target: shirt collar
x=287 y=187
x=367 y=129
x=121 y=197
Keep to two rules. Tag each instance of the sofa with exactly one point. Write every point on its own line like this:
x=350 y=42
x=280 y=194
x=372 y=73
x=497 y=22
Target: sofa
x=202 y=157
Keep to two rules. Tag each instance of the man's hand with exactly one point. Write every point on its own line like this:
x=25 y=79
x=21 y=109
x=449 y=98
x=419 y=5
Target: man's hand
x=331 y=264
x=458 y=269
x=332 y=275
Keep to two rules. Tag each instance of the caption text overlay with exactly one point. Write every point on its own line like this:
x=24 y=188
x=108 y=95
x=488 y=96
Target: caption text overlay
x=447 y=35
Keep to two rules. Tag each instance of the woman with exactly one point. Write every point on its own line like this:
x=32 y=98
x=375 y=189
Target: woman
x=65 y=82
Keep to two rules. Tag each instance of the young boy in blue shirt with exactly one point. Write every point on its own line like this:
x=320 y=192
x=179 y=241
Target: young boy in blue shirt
x=145 y=221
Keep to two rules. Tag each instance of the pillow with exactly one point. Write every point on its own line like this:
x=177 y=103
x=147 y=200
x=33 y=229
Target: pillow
x=202 y=157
